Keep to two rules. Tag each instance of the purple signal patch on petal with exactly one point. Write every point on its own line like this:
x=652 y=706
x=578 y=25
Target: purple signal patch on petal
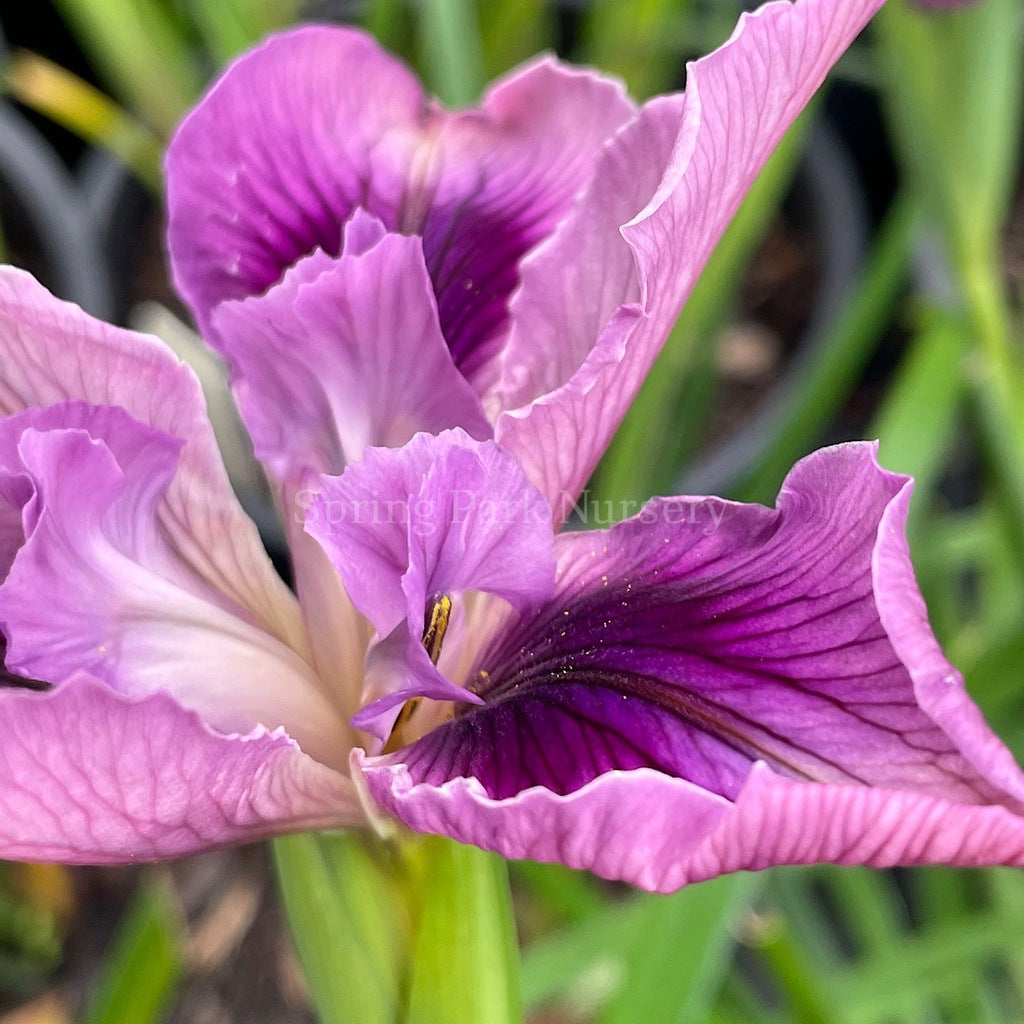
x=714 y=644
x=318 y=123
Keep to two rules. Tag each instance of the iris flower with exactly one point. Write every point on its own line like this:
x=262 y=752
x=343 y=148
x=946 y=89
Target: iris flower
x=434 y=322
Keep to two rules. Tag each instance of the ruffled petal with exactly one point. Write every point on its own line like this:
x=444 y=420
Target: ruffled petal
x=661 y=833
x=51 y=352
x=343 y=354
x=268 y=167
x=319 y=122
x=724 y=655
x=635 y=244
x=507 y=175
x=442 y=515
x=88 y=776
x=96 y=586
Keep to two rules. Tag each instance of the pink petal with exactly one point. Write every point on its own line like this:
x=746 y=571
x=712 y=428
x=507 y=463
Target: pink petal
x=91 y=777
x=96 y=585
x=52 y=352
x=318 y=122
x=661 y=833
x=673 y=180
x=444 y=514
x=273 y=161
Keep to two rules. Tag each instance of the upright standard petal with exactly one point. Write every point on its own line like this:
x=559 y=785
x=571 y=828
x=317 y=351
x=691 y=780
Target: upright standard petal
x=635 y=244
x=93 y=777
x=318 y=122
x=736 y=663
x=343 y=354
x=51 y=352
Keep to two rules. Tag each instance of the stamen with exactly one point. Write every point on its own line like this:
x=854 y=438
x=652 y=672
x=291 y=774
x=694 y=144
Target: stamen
x=435 y=624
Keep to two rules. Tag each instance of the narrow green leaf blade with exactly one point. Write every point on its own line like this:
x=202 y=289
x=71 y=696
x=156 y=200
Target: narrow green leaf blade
x=144 y=964
x=450 y=50
x=678 y=953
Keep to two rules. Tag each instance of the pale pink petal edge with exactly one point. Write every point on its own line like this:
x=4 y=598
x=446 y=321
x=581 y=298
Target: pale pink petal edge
x=88 y=776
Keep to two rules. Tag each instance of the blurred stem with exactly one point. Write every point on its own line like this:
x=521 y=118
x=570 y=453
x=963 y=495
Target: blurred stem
x=342 y=900
x=418 y=930
x=465 y=955
x=144 y=964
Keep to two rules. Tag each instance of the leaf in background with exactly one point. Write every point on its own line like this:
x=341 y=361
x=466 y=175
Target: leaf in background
x=512 y=31
x=227 y=27
x=62 y=96
x=678 y=952
x=142 y=51
x=915 y=423
x=827 y=382
x=635 y=42
x=144 y=964
x=450 y=51
x=656 y=959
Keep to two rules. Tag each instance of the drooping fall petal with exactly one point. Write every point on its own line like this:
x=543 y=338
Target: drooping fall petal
x=94 y=777
x=717 y=656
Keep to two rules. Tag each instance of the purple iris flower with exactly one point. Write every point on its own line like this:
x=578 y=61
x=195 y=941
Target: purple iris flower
x=373 y=268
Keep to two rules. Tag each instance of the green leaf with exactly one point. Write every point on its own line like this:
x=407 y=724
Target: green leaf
x=635 y=42
x=72 y=102
x=143 y=965
x=342 y=897
x=142 y=51
x=916 y=421
x=450 y=50
x=465 y=954
x=513 y=30
x=678 y=952
x=649 y=958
